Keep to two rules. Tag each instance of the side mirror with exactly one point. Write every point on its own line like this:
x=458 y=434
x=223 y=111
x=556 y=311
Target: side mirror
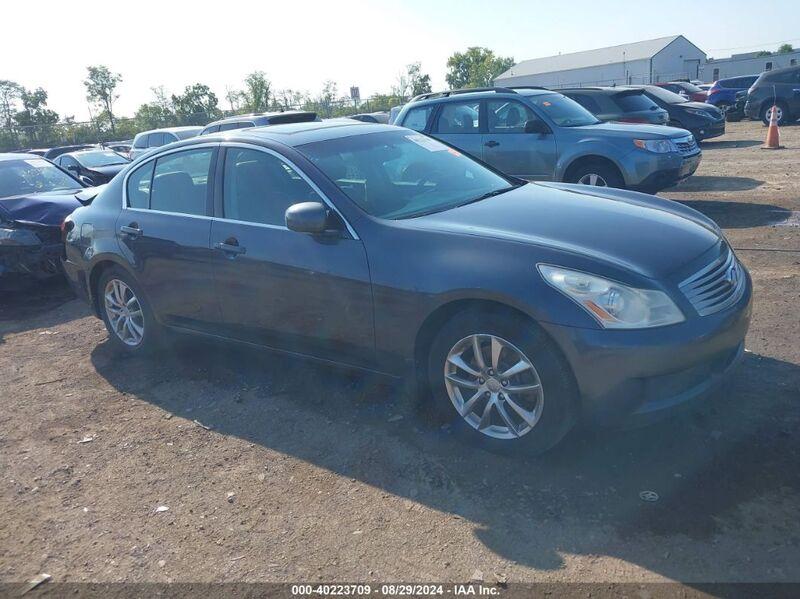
x=308 y=217
x=536 y=126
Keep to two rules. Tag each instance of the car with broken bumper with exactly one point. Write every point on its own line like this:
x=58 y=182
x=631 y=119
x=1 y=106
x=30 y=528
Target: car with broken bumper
x=517 y=308
x=35 y=198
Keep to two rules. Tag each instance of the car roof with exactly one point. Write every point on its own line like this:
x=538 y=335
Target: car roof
x=17 y=156
x=297 y=134
x=255 y=116
x=482 y=92
x=171 y=129
x=602 y=90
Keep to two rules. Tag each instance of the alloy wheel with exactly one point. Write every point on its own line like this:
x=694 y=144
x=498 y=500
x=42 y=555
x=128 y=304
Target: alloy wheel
x=494 y=386
x=778 y=113
x=124 y=312
x=593 y=179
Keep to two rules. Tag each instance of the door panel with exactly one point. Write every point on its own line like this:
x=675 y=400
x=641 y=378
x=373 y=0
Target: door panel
x=293 y=291
x=509 y=149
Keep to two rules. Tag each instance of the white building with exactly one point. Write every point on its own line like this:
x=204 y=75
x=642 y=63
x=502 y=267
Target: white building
x=649 y=61
x=746 y=64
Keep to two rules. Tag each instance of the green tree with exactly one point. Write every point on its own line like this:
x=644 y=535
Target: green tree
x=35 y=118
x=197 y=105
x=762 y=53
x=477 y=67
x=101 y=85
x=412 y=82
x=10 y=92
x=155 y=114
x=256 y=92
x=785 y=49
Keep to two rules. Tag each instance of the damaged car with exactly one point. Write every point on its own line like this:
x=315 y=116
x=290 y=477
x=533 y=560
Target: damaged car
x=35 y=198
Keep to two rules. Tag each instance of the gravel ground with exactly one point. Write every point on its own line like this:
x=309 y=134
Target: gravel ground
x=214 y=463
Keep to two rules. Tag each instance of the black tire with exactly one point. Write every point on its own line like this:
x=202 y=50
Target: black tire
x=609 y=173
x=785 y=117
x=560 y=397
x=152 y=334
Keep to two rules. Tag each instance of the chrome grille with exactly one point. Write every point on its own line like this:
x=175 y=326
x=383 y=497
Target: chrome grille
x=717 y=286
x=686 y=145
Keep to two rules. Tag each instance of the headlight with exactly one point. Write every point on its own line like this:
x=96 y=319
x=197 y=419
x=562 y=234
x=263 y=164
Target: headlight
x=614 y=305
x=659 y=146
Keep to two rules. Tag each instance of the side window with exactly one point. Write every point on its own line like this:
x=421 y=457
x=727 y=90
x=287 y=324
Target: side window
x=180 y=182
x=141 y=141
x=139 y=186
x=230 y=126
x=246 y=125
x=508 y=116
x=768 y=66
x=417 y=118
x=155 y=140
x=458 y=117
x=258 y=187
x=213 y=129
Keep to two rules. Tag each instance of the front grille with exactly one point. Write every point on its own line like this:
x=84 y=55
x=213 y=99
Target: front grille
x=717 y=286
x=686 y=145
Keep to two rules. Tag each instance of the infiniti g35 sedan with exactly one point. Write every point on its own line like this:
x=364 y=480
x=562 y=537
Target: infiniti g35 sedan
x=517 y=308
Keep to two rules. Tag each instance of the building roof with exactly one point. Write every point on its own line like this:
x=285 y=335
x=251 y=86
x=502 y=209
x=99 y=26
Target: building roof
x=590 y=58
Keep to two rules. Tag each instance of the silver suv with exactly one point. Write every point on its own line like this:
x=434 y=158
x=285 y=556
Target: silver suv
x=147 y=140
x=539 y=134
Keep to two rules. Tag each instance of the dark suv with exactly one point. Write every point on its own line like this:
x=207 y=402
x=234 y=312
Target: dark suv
x=620 y=105
x=780 y=87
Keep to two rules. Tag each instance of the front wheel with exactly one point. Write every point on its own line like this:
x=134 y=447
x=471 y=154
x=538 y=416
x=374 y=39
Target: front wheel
x=781 y=115
x=596 y=174
x=501 y=383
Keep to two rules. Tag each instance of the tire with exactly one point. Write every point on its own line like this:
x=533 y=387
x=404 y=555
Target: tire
x=145 y=324
x=552 y=409
x=603 y=172
x=784 y=117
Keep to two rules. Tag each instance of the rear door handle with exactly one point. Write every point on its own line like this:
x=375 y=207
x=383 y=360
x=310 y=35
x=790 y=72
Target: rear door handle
x=492 y=144
x=232 y=249
x=133 y=230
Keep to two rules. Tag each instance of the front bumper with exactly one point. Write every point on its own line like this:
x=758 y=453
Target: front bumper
x=37 y=260
x=637 y=376
x=669 y=171
x=713 y=129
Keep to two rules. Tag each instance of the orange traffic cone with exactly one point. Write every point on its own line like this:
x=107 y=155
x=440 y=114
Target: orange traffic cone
x=773 y=141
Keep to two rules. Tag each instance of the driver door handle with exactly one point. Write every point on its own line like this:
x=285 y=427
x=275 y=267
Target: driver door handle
x=231 y=247
x=492 y=143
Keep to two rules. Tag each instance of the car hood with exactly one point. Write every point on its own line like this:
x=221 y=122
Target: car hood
x=110 y=170
x=645 y=234
x=630 y=130
x=46 y=209
x=705 y=107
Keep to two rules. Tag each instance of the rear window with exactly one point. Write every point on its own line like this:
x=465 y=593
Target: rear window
x=187 y=133
x=634 y=102
x=140 y=141
x=304 y=117
x=417 y=118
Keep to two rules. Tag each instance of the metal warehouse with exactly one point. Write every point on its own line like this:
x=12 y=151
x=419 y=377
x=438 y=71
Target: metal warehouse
x=750 y=63
x=649 y=61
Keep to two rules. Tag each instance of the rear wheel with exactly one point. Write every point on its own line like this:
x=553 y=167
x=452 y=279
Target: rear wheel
x=129 y=320
x=597 y=174
x=501 y=383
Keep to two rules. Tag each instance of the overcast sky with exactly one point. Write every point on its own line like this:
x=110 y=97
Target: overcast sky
x=301 y=44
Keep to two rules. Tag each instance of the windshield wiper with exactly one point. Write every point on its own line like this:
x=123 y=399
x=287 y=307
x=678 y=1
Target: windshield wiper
x=491 y=194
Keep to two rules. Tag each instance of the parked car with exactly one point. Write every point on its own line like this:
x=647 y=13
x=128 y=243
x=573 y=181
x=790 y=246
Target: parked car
x=735 y=112
x=53 y=153
x=121 y=147
x=780 y=87
x=372 y=117
x=519 y=307
x=393 y=112
x=98 y=166
x=35 y=198
x=703 y=120
x=723 y=92
x=685 y=89
x=618 y=105
x=538 y=134
x=243 y=121
x=147 y=140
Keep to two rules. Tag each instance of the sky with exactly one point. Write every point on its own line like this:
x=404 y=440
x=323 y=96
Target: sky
x=299 y=45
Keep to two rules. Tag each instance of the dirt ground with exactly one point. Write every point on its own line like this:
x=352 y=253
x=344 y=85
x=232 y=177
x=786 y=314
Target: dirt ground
x=215 y=463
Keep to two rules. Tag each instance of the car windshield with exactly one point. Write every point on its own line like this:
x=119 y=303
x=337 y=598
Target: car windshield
x=665 y=95
x=32 y=175
x=565 y=112
x=403 y=174
x=95 y=159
